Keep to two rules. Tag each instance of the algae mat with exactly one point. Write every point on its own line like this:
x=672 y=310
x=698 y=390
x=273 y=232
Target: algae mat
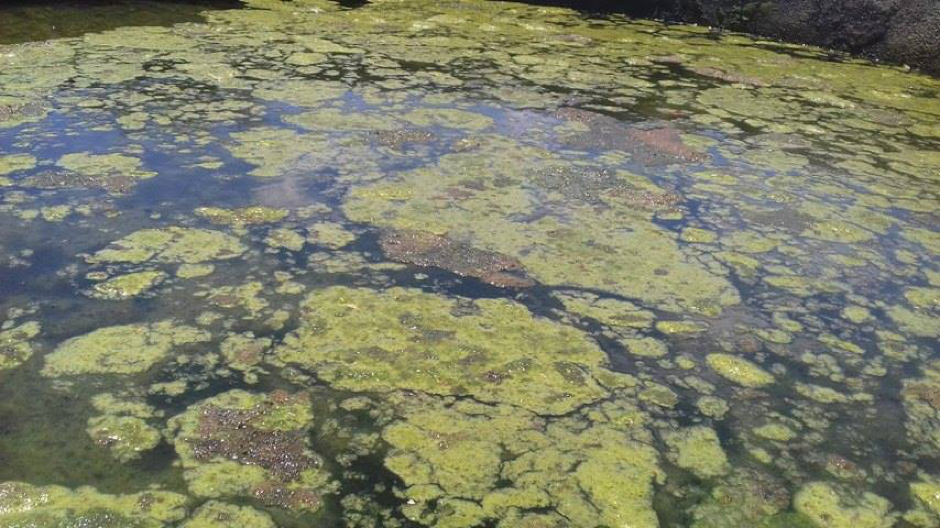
x=464 y=264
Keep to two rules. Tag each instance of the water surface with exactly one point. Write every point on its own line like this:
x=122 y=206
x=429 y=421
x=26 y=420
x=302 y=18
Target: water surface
x=460 y=264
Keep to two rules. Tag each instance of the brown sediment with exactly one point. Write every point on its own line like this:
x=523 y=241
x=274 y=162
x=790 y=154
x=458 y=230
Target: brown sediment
x=429 y=250
x=397 y=139
x=232 y=434
x=659 y=145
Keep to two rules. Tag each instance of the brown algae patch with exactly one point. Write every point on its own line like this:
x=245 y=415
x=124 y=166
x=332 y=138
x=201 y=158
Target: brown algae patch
x=239 y=444
x=171 y=245
x=123 y=349
x=430 y=250
x=359 y=339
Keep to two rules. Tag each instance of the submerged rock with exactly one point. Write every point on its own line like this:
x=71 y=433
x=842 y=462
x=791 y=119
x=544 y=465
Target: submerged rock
x=654 y=146
x=430 y=250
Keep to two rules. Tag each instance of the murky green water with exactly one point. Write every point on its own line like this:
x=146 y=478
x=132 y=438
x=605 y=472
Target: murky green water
x=462 y=264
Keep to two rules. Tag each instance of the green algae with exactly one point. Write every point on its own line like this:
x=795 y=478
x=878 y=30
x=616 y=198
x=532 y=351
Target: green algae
x=172 y=245
x=15 y=344
x=27 y=505
x=273 y=151
x=239 y=444
x=745 y=497
x=802 y=217
x=16 y=162
x=921 y=399
x=329 y=234
x=594 y=472
x=242 y=216
x=286 y=239
x=927 y=491
x=127 y=286
x=115 y=173
x=122 y=427
x=215 y=514
x=739 y=370
x=125 y=436
x=122 y=349
x=190 y=271
x=398 y=338
x=828 y=506
x=625 y=253
x=698 y=450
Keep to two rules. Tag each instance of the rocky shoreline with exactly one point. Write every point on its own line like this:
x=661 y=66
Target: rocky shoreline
x=895 y=31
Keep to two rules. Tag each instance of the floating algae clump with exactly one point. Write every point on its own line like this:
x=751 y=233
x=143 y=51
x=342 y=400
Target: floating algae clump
x=243 y=216
x=125 y=436
x=361 y=339
x=698 y=450
x=15 y=346
x=215 y=514
x=122 y=427
x=172 y=244
x=329 y=234
x=239 y=444
x=739 y=370
x=285 y=238
x=273 y=151
x=28 y=506
x=921 y=397
x=16 y=162
x=745 y=497
x=115 y=173
x=123 y=349
x=624 y=252
x=576 y=471
x=829 y=506
x=927 y=491
x=126 y=286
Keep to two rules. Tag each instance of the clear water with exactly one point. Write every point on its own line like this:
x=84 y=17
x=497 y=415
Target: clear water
x=461 y=264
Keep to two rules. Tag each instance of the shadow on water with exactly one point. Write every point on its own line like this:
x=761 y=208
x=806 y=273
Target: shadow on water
x=37 y=20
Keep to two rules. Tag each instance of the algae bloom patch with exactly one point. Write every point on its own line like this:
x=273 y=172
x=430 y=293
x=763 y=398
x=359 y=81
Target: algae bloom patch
x=361 y=339
x=123 y=349
x=172 y=245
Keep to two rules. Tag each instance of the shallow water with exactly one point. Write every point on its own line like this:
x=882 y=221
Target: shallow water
x=464 y=264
